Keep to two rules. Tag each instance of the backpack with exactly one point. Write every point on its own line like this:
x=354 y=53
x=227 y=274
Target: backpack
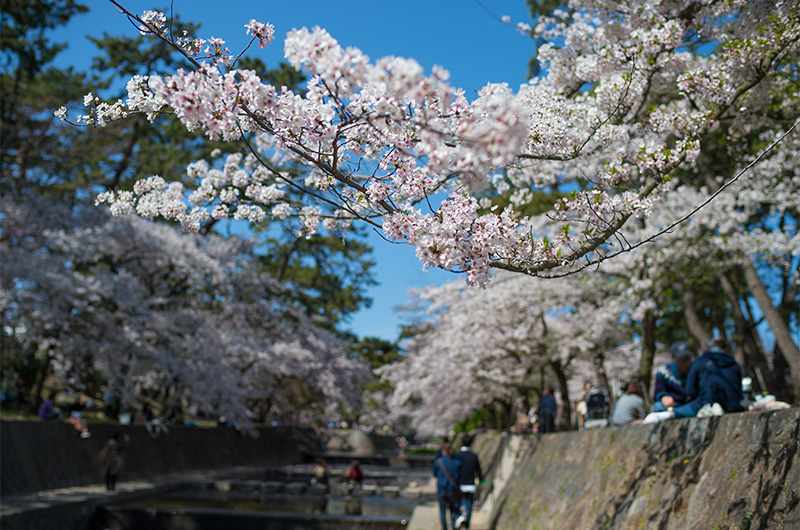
x=596 y=403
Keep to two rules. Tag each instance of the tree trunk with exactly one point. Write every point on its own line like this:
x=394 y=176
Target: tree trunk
x=693 y=323
x=599 y=361
x=765 y=375
x=542 y=381
x=744 y=348
x=566 y=406
x=508 y=414
x=793 y=288
x=36 y=392
x=648 y=350
x=784 y=389
x=783 y=336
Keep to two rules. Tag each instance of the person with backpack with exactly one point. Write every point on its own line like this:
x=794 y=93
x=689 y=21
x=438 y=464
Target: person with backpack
x=670 y=387
x=447 y=471
x=547 y=412
x=354 y=472
x=715 y=377
x=470 y=472
x=444 y=440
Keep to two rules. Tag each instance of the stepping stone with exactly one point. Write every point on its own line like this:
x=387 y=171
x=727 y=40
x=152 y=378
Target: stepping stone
x=336 y=506
x=271 y=487
x=390 y=492
x=318 y=489
x=352 y=505
x=412 y=493
x=343 y=489
x=222 y=485
x=369 y=490
x=296 y=487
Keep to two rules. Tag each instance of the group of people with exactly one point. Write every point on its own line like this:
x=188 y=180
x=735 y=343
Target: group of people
x=456 y=475
x=710 y=384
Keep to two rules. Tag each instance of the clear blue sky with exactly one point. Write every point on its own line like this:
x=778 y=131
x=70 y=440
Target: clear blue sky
x=456 y=34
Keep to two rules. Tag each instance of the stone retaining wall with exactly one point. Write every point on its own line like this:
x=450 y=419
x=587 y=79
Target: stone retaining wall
x=734 y=471
x=37 y=456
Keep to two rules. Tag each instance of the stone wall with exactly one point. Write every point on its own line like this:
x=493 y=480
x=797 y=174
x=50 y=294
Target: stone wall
x=734 y=471
x=38 y=456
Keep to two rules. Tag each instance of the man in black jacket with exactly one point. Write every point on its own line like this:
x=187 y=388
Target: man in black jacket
x=715 y=377
x=470 y=470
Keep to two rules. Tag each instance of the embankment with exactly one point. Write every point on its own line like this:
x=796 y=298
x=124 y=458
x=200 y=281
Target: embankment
x=735 y=471
x=37 y=456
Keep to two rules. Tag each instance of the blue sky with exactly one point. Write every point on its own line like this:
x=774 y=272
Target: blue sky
x=456 y=34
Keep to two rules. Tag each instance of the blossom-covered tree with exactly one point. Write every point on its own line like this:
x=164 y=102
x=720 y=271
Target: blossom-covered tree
x=156 y=312
x=628 y=94
x=218 y=325
x=487 y=349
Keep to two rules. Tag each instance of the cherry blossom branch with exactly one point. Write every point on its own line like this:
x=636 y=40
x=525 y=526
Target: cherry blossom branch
x=669 y=229
x=595 y=242
x=377 y=139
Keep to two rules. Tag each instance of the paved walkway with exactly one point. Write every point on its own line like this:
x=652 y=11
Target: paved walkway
x=426 y=515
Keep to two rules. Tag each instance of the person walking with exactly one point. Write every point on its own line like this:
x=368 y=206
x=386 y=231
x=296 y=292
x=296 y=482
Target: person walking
x=354 y=472
x=444 y=440
x=547 y=412
x=447 y=471
x=113 y=453
x=470 y=472
x=321 y=472
x=10 y=390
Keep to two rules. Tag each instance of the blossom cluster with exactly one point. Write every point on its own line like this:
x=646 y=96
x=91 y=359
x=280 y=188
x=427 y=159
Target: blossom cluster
x=264 y=32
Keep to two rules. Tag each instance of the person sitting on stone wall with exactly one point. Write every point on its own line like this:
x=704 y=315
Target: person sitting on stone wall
x=715 y=377
x=629 y=407
x=670 y=387
x=155 y=427
x=48 y=410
